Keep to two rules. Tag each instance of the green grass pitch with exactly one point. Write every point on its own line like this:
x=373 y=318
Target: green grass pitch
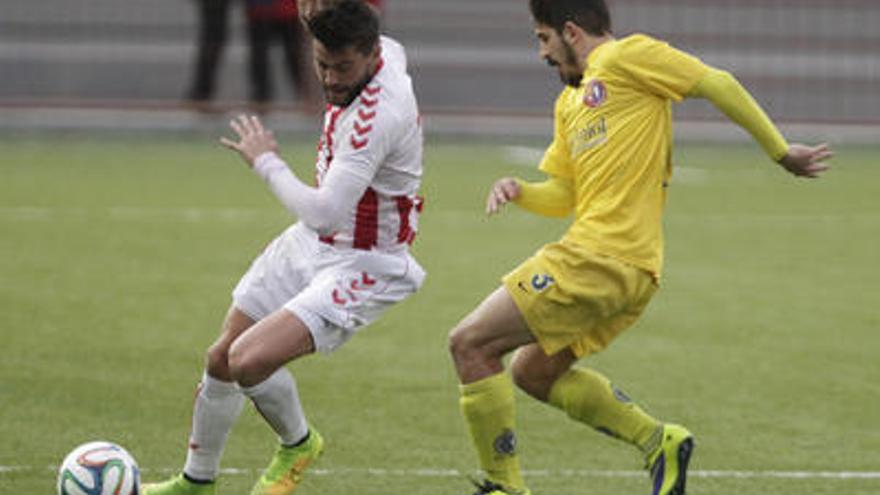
x=117 y=258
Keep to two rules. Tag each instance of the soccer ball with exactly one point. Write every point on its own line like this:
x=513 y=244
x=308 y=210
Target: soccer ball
x=99 y=468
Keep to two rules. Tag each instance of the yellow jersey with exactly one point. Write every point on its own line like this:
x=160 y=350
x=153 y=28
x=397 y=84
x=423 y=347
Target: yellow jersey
x=613 y=140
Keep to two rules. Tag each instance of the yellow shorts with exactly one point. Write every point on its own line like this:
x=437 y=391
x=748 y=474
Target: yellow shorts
x=573 y=297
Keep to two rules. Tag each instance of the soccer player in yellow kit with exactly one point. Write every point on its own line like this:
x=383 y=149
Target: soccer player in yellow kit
x=608 y=165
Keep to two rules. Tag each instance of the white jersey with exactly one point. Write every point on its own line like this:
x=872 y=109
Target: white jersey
x=365 y=207
x=378 y=134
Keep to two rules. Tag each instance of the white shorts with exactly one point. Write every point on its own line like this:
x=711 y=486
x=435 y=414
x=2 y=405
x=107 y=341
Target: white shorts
x=335 y=292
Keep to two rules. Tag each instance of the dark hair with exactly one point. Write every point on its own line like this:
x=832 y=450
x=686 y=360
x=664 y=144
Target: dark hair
x=591 y=15
x=347 y=23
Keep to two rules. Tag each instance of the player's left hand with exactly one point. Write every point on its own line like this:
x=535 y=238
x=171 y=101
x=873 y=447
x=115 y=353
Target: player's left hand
x=807 y=161
x=253 y=138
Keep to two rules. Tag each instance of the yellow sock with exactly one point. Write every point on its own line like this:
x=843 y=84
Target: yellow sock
x=488 y=409
x=590 y=398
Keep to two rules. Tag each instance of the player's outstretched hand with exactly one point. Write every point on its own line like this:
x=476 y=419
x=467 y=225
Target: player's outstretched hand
x=503 y=191
x=806 y=161
x=253 y=138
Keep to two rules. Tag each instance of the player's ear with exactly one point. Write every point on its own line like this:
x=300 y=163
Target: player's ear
x=571 y=32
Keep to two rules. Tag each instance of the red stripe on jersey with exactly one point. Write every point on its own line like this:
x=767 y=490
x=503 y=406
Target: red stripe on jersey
x=328 y=132
x=327 y=139
x=379 y=65
x=366 y=225
x=404 y=208
x=365 y=116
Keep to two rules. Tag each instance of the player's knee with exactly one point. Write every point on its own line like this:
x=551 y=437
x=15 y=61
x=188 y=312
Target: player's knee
x=519 y=373
x=532 y=375
x=524 y=378
x=244 y=367
x=462 y=345
x=216 y=359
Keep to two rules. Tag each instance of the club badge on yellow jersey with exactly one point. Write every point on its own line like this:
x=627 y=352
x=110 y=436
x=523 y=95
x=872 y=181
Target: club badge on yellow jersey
x=595 y=93
x=593 y=130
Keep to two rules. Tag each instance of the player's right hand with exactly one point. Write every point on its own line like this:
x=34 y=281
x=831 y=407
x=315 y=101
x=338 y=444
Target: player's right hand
x=253 y=138
x=503 y=191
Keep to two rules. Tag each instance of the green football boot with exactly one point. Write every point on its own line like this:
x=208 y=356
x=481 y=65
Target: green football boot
x=287 y=467
x=669 y=463
x=179 y=485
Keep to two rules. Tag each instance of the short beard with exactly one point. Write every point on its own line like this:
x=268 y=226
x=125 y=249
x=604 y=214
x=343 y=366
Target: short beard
x=355 y=91
x=571 y=61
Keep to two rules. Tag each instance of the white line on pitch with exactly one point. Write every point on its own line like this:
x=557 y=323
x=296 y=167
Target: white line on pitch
x=543 y=473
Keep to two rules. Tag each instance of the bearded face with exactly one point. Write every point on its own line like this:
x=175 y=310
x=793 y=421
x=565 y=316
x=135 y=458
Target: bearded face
x=559 y=54
x=344 y=73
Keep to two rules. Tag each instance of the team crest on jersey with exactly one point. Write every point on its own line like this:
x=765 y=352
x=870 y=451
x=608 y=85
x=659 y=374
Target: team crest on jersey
x=595 y=93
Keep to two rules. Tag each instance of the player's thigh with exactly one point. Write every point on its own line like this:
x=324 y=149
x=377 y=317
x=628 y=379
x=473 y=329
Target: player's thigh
x=351 y=291
x=282 y=271
x=267 y=345
x=494 y=328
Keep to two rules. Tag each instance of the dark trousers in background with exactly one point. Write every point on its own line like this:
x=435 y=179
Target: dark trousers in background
x=263 y=34
x=213 y=32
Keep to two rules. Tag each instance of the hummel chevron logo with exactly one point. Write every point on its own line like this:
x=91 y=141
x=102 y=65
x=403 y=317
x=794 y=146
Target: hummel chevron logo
x=362 y=130
x=365 y=280
x=365 y=116
x=368 y=102
x=358 y=144
x=341 y=301
x=372 y=91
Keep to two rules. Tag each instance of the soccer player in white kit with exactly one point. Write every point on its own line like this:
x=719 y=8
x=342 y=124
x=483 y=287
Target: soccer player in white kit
x=334 y=271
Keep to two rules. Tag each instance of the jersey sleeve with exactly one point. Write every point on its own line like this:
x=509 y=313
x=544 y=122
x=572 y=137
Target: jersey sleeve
x=364 y=143
x=556 y=160
x=323 y=208
x=729 y=96
x=659 y=68
x=553 y=198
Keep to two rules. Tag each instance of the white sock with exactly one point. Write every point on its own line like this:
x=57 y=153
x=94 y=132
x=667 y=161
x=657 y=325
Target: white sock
x=277 y=400
x=216 y=408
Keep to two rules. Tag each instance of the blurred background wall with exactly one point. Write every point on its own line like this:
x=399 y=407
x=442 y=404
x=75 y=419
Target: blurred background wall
x=809 y=62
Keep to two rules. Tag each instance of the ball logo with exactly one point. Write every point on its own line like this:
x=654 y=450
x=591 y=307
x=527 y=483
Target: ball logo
x=595 y=93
